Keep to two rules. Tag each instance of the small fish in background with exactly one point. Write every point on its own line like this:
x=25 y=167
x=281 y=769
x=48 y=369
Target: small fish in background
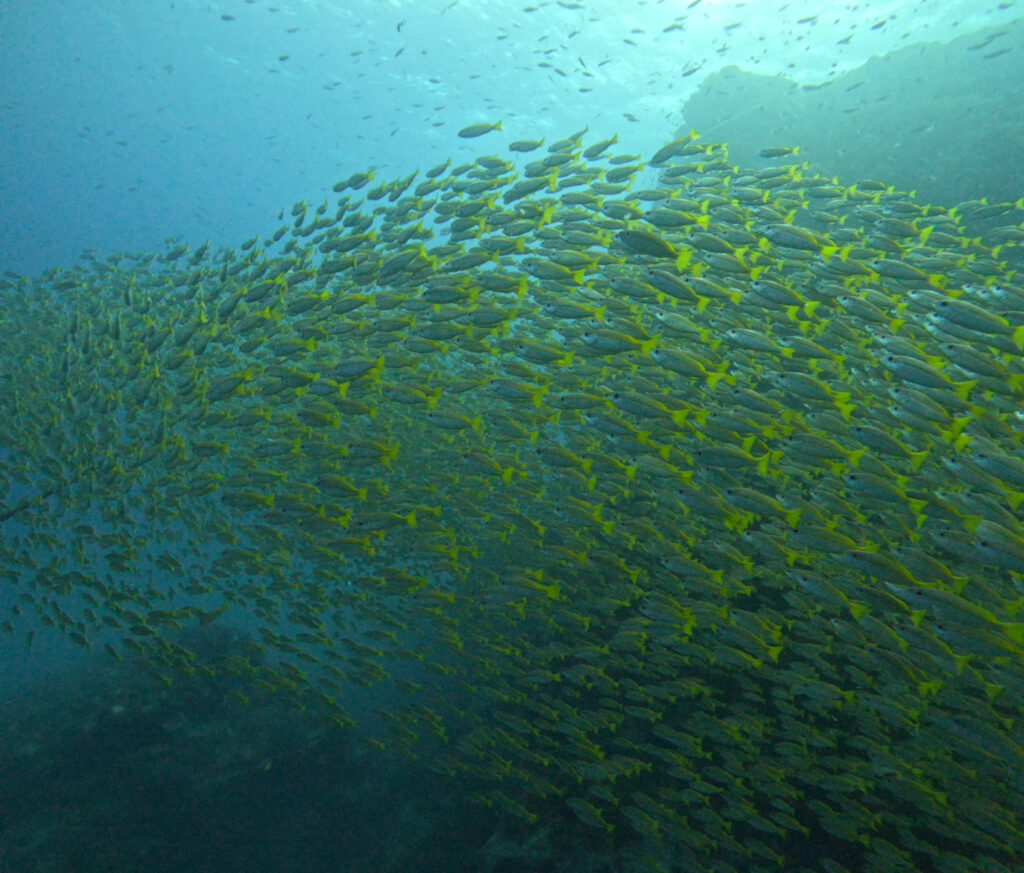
x=525 y=145
x=779 y=151
x=475 y=130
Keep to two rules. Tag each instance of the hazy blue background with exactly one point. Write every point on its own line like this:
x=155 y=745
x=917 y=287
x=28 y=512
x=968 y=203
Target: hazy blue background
x=125 y=122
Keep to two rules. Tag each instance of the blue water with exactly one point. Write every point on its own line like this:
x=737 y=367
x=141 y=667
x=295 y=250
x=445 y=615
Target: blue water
x=127 y=123
x=133 y=126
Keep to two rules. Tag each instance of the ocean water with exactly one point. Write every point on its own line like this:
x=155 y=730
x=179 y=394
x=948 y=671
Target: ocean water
x=128 y=123
x=520 y=437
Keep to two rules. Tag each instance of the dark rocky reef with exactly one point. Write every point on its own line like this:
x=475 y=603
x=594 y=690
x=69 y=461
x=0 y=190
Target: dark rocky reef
x=941 y=119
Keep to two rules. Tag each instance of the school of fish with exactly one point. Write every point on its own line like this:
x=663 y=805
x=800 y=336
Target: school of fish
x=690 y=513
